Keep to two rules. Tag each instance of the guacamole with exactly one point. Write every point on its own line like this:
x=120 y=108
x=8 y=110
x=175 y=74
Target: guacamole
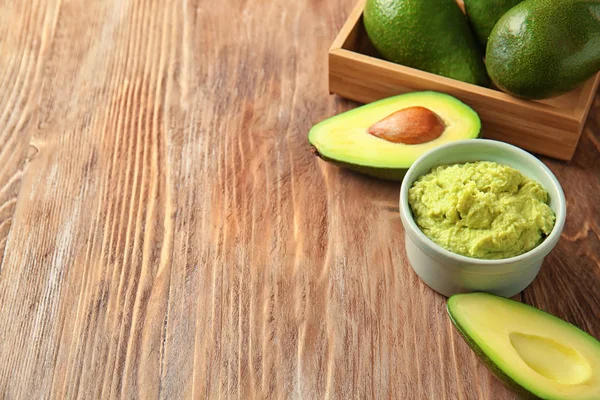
x=481 y=209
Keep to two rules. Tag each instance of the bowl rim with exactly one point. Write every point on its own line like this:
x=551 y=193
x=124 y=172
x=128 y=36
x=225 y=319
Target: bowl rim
x=539 y=251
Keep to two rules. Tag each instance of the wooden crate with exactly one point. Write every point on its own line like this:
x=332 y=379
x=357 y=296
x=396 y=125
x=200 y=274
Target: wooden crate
x=549 y=127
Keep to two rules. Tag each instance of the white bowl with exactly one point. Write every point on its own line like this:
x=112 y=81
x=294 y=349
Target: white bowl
x=449 y=273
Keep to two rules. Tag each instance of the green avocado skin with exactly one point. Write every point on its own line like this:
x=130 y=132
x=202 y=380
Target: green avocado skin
x=483 y=15
x=544 y=48
x=386 y=174
x=430 y=35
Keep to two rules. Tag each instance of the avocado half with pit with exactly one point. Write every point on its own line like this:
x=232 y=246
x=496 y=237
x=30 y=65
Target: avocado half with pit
x=536 y=354
x=384 y=138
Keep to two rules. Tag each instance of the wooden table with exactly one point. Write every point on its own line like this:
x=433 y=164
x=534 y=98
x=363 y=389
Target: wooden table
x=167 y=233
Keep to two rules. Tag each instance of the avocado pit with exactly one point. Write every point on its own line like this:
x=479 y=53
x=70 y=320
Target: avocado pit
x=412 y=125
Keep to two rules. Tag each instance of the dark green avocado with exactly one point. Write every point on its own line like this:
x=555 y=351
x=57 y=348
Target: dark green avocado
x=483 y=15
x=544 y=48
x=430 y=35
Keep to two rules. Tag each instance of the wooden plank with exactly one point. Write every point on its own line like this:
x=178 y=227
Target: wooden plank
x=360 y=63
x=174 y=237
x=532 y=126
x=83 y=280
x=584 y=103
x=26 y=29
x=348 y=31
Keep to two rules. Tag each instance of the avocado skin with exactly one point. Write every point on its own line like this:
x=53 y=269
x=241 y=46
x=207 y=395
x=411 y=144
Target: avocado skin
x=483 y=15
x=386 y=174
x=506 y=380
x=430 y=35
x=544 y=48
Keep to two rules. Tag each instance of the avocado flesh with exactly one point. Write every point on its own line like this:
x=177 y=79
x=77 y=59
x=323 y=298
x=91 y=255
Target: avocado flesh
x=430 y=35
x=483 y=15
x=536 y=354
x=544 y=48
x=344 y=140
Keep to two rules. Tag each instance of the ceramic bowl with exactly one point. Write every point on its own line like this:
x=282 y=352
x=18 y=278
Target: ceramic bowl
x=450 y=273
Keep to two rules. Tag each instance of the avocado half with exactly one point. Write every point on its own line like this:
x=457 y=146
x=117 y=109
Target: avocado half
x=534 y=353
x=350 y=140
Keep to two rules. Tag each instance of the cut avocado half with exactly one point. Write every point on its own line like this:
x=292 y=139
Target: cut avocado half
x=383 y=139
x=536 y=354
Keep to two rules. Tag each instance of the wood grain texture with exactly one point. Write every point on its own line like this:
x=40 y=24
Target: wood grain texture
x=26 y=30
x=172 y=235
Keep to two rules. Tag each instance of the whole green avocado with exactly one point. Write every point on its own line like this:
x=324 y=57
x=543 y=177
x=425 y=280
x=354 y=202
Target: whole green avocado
x=544 y=48
x=483 y=15
x=430 y=35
